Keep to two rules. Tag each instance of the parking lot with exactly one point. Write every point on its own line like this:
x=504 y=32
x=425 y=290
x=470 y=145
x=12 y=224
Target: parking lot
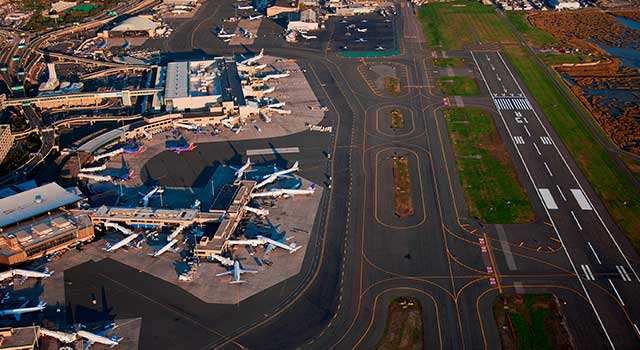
x=363 y=33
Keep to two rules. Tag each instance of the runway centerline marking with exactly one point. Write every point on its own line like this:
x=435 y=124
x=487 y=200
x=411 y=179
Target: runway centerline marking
x=616 y=291
x=576 y=220
x=548 y=170
x=594 y=253
x=537 y=149
x=561 y=193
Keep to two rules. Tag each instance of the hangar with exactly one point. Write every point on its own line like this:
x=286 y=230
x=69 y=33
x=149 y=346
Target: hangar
x=138 y=26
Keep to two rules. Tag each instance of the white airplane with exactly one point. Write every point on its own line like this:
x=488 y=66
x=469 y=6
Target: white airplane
x=146 y=197
x=361 y=30
x=275 y=76
x=361 y=40
x=272 y=244
x=236 y=129
x=23 y=273
x=244 y=68
x=221 y=259
x=276 y=105
x=379 y=48
x=273 y=177
x=259 y=212
x=222 y=34
x=249 y=61
x=252 y=18
x=17 y=313
x=62 y=336
x=244 y=7
x=237 y=271
x=112 y=248
x=95 y=338
x=240 y=171
x=97 y=178
x=284 y=192
x=309 y=37
x=188 y=126
x=165 y=248
x=93 y=169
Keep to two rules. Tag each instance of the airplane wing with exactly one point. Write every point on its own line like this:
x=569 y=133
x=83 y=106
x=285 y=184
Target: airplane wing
x=224 y=273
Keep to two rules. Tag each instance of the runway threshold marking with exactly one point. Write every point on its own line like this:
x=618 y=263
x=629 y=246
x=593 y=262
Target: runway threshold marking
x=587 y=272
x=623 y=273
x=581 y=199
x=261 y=151
x=547 y=198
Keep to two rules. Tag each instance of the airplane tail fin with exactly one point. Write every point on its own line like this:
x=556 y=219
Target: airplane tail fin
x=236 y=282
x=312 y=187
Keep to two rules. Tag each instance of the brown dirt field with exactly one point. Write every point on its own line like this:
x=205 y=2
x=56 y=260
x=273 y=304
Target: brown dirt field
x=404 y=329
x=403 y=200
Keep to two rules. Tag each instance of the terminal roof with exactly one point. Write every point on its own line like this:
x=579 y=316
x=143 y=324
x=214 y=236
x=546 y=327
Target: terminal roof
x=34 y=202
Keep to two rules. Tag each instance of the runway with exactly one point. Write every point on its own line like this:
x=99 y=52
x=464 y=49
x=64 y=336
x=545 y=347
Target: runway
x=364 y=256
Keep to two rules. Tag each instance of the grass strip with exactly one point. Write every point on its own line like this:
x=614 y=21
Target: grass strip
x=458 y=86
x=402 y=198
x=404 y=328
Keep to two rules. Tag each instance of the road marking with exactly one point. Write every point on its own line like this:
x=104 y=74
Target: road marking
x=636 y=328
x=587 y=273
x=257 y=152
x=527 y=130
x=547 y=198
x=519 y=140
x=546 y=140
x=581 y=199
x=576 y=220
x=548 y=170
x=512 y=103
x=555 y=229
x=615 y=290
x=537 y=149
x=562 y=194
x=519 y=287
x=594 y=253
x=623 y=273
x=508 y=257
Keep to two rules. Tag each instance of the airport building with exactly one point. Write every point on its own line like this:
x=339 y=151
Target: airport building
x=6 y=140
x=203 y=84
x=40 y=221
x=19 y=338
x=303 y=21
x=138 y=26
x=283 y=6
x=232 y=199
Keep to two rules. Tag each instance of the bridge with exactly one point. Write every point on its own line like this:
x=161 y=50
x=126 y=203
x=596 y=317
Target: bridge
x=124 y=95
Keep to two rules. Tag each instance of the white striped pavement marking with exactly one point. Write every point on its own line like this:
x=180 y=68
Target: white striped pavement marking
x=615 y=290
x=546 y=140
x=519 y=140
x=537 y=149
x=623 y=273
x=587 y=273
x=594 y=253
x=562 y=194
x=581 y=199
x=547 y=198
x=527 y=130
x=548 y=170
x=576 y=220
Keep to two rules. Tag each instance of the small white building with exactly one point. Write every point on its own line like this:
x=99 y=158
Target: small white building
x=306 y=20
x=61 y=6
x=568 y=5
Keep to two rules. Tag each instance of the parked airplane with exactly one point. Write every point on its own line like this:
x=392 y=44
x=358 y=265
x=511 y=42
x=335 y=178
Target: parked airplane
x=273 y=177
x=188 y=126
x=240 y=171
x=17 y=313
x=284 y=192
x=97 y=178
x=146 y=197
x=112 y=248
x=236 y=129
x=23 y=273
x=133 y=150
x=273 y=244
x=222 y=34
x=361 y=40
x=251 y=18
x=166 y=247
x=254 y=59
x=244 y=7
x=309 y=37
x=96 y=338
x=236 y=272
x=380 y=48
x=361 y=30
x=221 y=259
x=180 y=149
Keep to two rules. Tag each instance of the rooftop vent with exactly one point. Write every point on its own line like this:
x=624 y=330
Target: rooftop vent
x=38 y=199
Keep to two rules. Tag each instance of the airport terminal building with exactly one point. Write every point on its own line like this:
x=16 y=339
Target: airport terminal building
x=38 y=222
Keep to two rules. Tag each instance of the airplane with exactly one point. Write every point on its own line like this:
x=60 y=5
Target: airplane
x=361 y=30
x=236 y=272
x=221 y=259
x=273 y=177
x=112 y=248
x=24 y=273
x=243 y=7
x=222 y=34
x=236 y=129
x=285 y=192
x=251 y=18
x=364 y=21
x=127 y=177
x=146 y=197
x=133 y=150
x=188 y=126
x=99 y=337
x=17 y=313
x=180 y=149
x=240 y=171
x=379 y=48
x=165 y=248
x=309 y=37
x=275 y=76
x=345 y=48
x=251 y=60
x=97 y=178
x=361 y=40
x=273 y=244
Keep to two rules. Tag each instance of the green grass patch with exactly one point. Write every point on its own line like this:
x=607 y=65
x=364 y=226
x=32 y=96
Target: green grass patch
x=397 y=119
x=614 y=187
x=452 y=25
x=404 y=329
x=458 y=86
x=531 y=322
x=443 y=62
x=392 y=86
x=560 y=58
x=488 y=177
x=536 y=36
x=402 y=187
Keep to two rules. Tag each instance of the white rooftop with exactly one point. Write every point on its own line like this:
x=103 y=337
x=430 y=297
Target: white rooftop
x=34 y=202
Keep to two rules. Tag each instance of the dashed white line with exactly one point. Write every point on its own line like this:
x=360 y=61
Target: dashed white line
x=562 y=194
x=636 y=329
x=548 y=170
x=527 y=130
x=537 y=149
x=615 y=290
x=594 y=253
x=576 y=220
